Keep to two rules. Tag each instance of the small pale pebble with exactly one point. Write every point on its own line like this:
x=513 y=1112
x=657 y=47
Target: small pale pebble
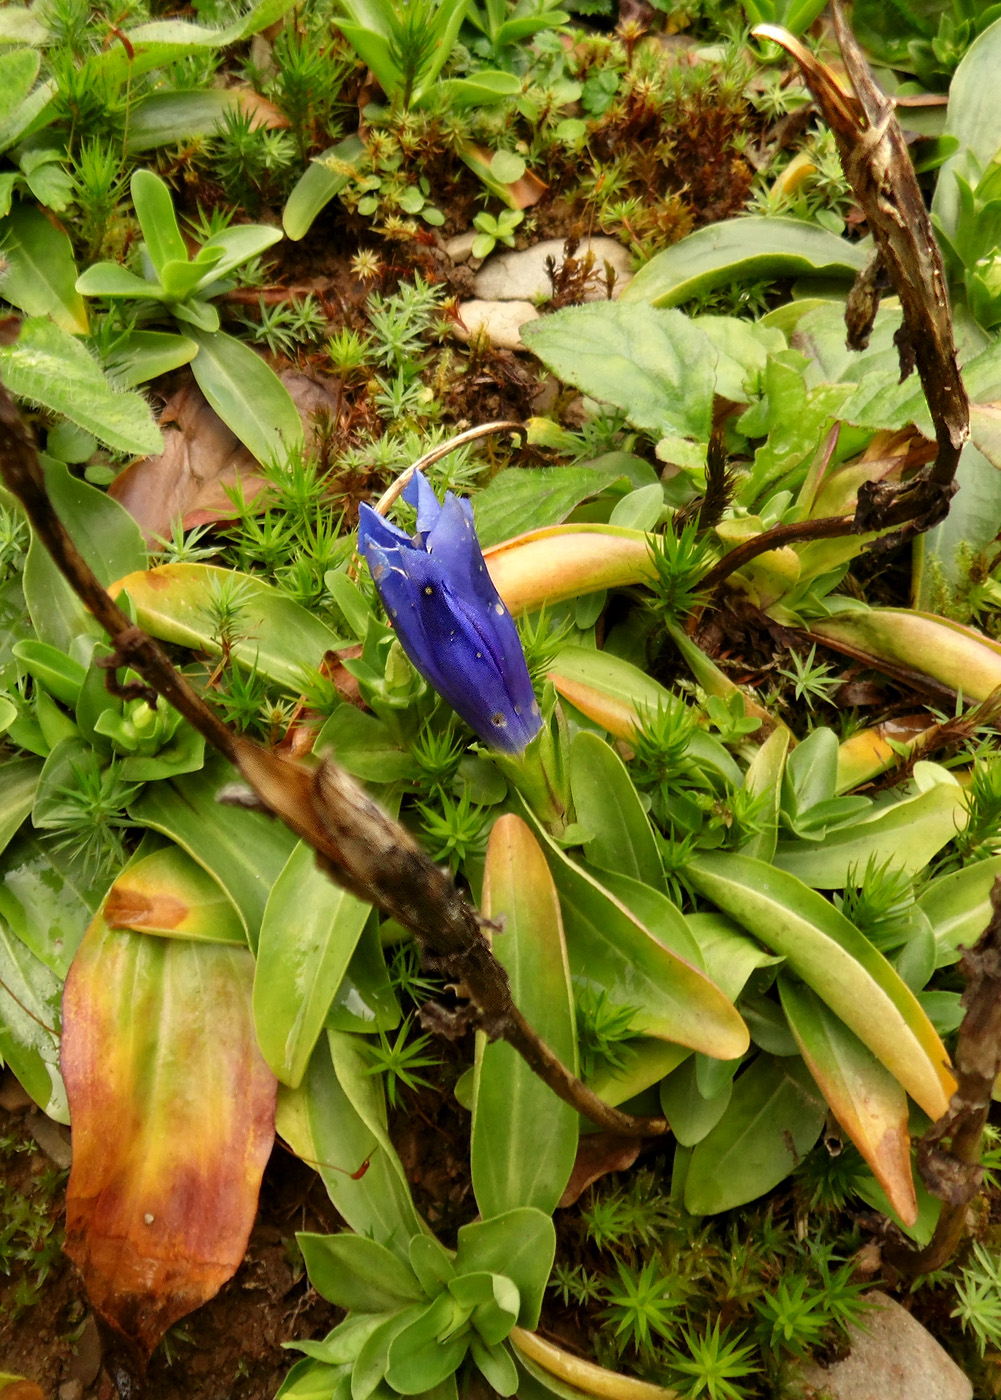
x=895 y=1358
x=510 y=276
x=460 y=248
x=501 y=320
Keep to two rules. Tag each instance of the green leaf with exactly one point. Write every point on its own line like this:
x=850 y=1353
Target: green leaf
x=48 y=897
x=958 y=906
x=277 y=636
x=109 y=540
x=236 y=245
x=336 y=1120
x=58 y=673
x=30 y=1002
x=18 y=71
x=154 y=208
x=243 y=850
x=907 y=835
x=308 y=936
x=170 y=894
x=428 y=1350
x=691 y=1115
x=317 y=186
x=247 y=395
x=609 y=809
x=528 y=498
x=162 y=118
x=521 y=1245
x=830 y=955
x=41 y=275
x=46 y=365
x=774 y=1117
x=865 y=1098
x=749 y=248
x=764 y=779
x=524 y=1139
x=18 y=782
x=365 y=999
x=364 y=745
x=110 y=279
x=974 y=119
x=655 y=365
x=353 y=1272
x=657 y=913
x=611 y=951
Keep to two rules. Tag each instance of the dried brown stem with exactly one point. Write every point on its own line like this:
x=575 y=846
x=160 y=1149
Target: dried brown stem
x=877 y=165
x=952 y=1172
x=357 y=844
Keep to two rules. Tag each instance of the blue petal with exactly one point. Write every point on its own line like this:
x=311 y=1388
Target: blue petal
x=462 y=660
x=419 y=493
x=375 y=529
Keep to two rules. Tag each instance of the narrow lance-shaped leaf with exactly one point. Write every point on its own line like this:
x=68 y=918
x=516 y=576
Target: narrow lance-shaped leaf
x=167 y=1158
x=830 y=955
x=865 y=1098
x=523 y=1139
x=309 y=933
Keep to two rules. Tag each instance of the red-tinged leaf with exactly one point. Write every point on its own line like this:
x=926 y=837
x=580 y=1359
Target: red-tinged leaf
x=17 y=1388
x=173 y=1122
x=168 y=893
x=864 y=1097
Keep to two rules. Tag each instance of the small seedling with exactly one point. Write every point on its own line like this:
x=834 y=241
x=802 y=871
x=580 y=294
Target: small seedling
x=494 y=230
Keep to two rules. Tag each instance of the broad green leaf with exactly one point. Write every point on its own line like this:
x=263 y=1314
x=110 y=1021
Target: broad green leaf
x=173 y=1123
x=110 y=279
x=907 y=835
x=179 y=279
x=364 y=745
x=520 y=1245
x=864 y=1097
x=365 y=999
x=318 y=185
x=958 y=906
x=428 y=1350
x=275 y=635
x=18 y=783
x=729 y=955
x=655 y=365
x=970 y=527
x=609 y=809
x=974 y=118
x=309 y=933
x=336 y=1121
x=613 y=692
x=109 y=540
x=830 y=955
x=53 y=669
x=611 y=951
x=48 y=897
x=244 y=851
x=168 y=893
x=564 y=561
x=354 y=1272
x=30 y=999
x=161 y=118
x=743 y=348
x=774 y=1117
x=40 y=279
x=18 y=71
x=154 y=208
x=236 y=245
x=46 y=365
x=743 y=249
x=247 y=395
x=764 y=780
x=528 y=498
x=524 y=1139
x=658 y=914
x=646 y=1062
x=691 y=1115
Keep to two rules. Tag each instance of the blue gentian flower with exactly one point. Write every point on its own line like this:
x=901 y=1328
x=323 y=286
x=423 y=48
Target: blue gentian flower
x=449 y=616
